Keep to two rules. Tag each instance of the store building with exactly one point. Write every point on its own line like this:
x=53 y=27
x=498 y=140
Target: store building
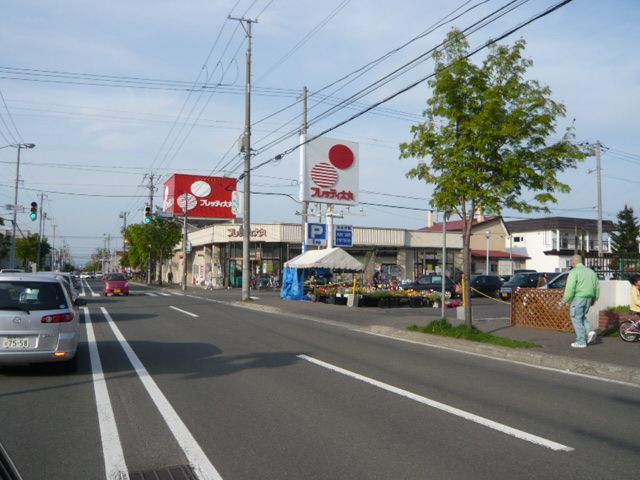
x=214 y=253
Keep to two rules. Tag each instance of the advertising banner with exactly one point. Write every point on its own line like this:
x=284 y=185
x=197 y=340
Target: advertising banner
x=200 y=196
x=329 y=171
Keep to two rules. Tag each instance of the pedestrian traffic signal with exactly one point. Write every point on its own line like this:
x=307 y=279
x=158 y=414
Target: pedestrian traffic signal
x=34 y=210
x=147 y=215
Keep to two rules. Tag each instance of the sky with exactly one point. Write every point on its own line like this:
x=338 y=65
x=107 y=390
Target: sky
x=115 y=94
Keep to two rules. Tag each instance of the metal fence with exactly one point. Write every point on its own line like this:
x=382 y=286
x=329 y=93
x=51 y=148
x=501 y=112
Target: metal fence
x=608 y=267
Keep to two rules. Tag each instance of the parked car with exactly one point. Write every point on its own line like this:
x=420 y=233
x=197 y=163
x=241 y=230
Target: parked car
x=485 y=285
x=431 y=282
x=115 y=283
x=521 y=280
x=505 y=278
x=68 y=279
x=560 y=281
x=39 y=322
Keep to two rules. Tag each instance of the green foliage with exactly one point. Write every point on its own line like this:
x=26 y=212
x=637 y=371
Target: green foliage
x=619 y=308
x=485 y=141
x=5 y=245
x=27 y=250
x=624 y=241
x=443 y=327
x=610 y=332
x=154 y=240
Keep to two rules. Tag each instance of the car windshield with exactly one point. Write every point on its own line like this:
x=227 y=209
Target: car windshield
x=116 y=277
x=519 y=278
x=32 y=295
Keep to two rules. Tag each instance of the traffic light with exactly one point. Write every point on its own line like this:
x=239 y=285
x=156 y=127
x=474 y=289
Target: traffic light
x=34 y=210
x=147 y=215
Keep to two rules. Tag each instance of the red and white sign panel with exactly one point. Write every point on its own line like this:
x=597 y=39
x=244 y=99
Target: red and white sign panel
x=200 y=196
x=329 y=171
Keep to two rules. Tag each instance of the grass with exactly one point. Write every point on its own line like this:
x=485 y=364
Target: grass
x=443 y=327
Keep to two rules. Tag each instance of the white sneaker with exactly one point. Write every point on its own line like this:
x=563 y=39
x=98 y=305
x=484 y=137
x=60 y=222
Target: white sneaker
x=591 y=337
x=578 y=345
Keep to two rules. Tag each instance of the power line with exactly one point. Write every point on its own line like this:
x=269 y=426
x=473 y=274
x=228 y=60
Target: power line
x=417 y=82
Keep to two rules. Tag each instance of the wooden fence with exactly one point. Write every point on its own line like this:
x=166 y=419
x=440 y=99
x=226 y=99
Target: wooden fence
x=540 y=308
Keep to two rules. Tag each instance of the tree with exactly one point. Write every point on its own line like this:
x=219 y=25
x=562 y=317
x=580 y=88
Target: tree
x=5 y=242
x=152 y=242
x=27 y=250
x=624 y=241
x=485 y=141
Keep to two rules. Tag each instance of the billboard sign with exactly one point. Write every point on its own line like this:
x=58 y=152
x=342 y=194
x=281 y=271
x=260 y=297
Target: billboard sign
x=329 y=171
x=200 y=196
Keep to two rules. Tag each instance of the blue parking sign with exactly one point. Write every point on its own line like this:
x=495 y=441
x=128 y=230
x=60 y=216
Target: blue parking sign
x=317 y=234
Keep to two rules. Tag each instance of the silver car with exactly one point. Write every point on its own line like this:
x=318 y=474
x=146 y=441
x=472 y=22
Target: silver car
x=39 y=321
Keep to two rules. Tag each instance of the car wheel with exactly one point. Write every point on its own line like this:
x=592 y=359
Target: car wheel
x=496 y=293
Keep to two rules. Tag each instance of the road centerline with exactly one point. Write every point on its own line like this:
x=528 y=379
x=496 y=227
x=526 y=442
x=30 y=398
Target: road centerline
x=445 y=408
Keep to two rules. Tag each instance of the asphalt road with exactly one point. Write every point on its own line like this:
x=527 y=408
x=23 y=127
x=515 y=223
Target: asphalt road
x=237 y=394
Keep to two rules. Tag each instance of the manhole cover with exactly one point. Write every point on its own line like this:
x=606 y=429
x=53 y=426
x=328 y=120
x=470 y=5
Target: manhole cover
x=178 y=472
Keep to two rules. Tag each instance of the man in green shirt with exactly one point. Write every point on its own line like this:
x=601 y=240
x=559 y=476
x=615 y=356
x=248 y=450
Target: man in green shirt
x=583 y=287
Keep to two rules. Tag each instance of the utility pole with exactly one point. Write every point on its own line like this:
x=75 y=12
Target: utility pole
x=246 y=144
x=40 y=224
x=599 y=199
x=305 y=204
x=184 y=242
x=15 y=201
x=151 y=187
x=123 y=215
x=590 y=151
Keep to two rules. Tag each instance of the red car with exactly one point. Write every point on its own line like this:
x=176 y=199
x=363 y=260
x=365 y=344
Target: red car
x=115 y=283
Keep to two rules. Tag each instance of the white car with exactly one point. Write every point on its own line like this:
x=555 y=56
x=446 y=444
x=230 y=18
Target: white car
x=39 y=321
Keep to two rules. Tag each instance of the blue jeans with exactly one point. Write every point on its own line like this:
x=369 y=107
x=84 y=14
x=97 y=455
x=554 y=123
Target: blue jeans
x=582 y=326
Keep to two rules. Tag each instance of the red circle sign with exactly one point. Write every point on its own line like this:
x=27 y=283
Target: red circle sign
x=341 y=156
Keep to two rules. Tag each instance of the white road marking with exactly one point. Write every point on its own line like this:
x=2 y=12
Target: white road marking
x=196 y=456
x=114 y=464
x=93 y=294
x=445 y=408
x=183 y=311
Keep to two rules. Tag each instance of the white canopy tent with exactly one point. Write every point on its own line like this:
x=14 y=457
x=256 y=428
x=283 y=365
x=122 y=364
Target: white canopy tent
x=333 y=258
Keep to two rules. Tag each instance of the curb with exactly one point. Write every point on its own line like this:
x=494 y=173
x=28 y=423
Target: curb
x=605 y=371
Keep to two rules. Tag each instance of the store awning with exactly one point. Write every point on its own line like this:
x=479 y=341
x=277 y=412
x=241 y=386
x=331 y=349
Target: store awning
x=333 y=258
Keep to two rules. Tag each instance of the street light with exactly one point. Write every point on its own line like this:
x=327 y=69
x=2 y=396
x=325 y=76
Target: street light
x=488 y=234
x=19 y=146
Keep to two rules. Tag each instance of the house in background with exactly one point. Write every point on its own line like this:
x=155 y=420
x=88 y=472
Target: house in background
x=489 y=241
x=550 y=242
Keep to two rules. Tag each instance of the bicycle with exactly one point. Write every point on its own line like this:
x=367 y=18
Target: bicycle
x=630 y=330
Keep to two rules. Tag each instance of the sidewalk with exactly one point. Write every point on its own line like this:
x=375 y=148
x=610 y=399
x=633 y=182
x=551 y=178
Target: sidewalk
x=608 y=357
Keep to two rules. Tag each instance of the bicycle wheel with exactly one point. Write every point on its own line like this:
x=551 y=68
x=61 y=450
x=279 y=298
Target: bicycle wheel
x=627 y=337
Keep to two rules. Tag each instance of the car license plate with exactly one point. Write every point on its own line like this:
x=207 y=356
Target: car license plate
x=15 y=342
x=117 y=290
